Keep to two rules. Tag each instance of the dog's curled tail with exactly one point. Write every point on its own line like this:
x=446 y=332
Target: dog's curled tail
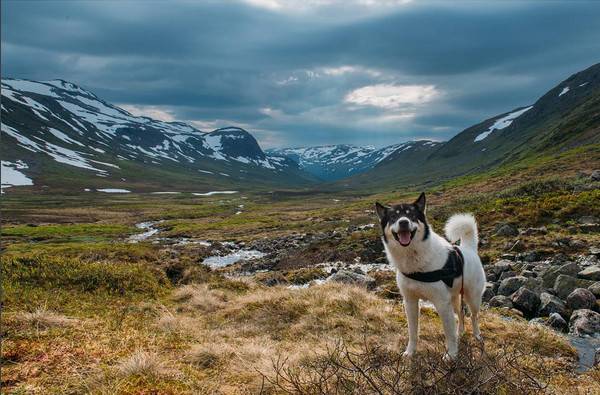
x=463 y=227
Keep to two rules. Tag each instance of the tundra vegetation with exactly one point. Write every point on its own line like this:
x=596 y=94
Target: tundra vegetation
x=87 y=311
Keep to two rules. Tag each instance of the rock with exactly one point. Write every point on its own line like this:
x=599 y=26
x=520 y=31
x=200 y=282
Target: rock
x=588 y=260
x=581 y=298
x=595 y=175
x=349 y=277
x=587 y=220
x=504 y=229
x=494 y=271
x=534 y=284
x=502 y=266
x=550 y=304
x=511 y=257
x=589 y=228
x=507 y=274
x=511 y=285
x=528 y=273
x=526 y=301
x=501 y=301
x=595 y=289
x=595 y=251
x=564 y=285
x=538 y=321
x=577 y=244
x=584 y=322
x=590 y=273
x=531 y=256
x=535 y=231
x=550 y=275
x=556 y=321
x=488 y=292
x=559 y=259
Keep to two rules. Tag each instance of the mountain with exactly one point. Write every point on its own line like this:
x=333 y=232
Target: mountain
x=58 y=135
x=332 y=162
x=565 y=117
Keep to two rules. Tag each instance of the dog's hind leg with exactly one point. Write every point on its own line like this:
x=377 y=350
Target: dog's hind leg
x=446 y=312
x=411 y=307
x=458 y=310
x=474 y=304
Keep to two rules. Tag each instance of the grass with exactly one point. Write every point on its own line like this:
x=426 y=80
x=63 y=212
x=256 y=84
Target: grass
x=86 y=312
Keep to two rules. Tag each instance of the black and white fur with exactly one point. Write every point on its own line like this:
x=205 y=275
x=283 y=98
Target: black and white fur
x=412 y=246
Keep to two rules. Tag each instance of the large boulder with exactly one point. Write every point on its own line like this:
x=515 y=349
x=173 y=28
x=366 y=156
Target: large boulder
x=549 y=276
x=507 y=274
x=494 y=271
x=584 y=322
x=590 y=273
x=510 y=285
x=349 y=277
x=535 y=284
x=564 y=285
x=488 y=292
x=501 y=301
x=526 y=301
x=595 y=289
x=557 y=322
x=550 y=304
x=581 y=298
x=504 y=229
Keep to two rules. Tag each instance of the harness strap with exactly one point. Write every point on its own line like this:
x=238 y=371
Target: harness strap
x=452 y=268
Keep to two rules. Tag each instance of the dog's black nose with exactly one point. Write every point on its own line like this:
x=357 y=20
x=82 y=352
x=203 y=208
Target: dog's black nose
x=403 y=224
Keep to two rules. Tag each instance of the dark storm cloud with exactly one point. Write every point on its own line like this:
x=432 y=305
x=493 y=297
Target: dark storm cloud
x=287 y=74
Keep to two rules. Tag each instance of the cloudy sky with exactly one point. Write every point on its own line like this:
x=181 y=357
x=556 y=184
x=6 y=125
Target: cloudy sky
x=307 y=72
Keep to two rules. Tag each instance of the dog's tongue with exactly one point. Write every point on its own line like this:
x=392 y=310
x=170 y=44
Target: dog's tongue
x=404 y=237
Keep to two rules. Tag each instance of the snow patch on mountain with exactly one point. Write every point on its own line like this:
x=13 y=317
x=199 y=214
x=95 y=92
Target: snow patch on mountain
x=11 y=176
x=502 y=123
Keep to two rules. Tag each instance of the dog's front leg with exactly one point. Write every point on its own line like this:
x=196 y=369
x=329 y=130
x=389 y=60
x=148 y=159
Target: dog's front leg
x=411 y=307
x=446 y=312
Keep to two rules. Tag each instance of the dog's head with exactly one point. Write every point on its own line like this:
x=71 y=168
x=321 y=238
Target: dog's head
x=403 y=223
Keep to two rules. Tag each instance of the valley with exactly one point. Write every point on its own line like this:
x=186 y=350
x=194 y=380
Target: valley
x=143 y=256
x=188 y=293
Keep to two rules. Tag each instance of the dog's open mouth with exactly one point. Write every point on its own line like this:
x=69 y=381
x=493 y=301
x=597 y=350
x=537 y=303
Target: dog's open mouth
x=404 y=237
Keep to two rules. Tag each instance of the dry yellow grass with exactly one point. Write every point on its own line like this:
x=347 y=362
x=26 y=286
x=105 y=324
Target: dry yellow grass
x=42 y=318
x=234 y=343
x=141 y=363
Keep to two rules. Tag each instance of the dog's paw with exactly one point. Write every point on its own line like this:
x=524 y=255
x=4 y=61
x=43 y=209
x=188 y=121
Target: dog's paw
x=408 y=353
x=478 y=337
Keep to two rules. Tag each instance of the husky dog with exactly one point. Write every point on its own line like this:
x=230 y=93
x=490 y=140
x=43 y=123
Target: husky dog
x=429 y=267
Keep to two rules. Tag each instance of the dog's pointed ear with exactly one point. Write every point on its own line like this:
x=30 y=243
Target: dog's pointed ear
x=421 y=203
x=381 y=210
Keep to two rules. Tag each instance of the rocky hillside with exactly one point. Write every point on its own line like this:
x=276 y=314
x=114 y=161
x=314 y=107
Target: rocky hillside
x=332 y=162
x=567 y=116
x=57 y=135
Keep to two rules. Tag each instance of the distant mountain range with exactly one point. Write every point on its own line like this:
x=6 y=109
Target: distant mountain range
x=57 y=136
x=332 y=162
x=61 y=136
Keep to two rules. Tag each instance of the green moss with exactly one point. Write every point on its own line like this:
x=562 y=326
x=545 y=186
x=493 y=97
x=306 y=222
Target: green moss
x=42 y=232
x=50 y=273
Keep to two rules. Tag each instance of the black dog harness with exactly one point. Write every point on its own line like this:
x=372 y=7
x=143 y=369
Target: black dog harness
x=452 y=269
